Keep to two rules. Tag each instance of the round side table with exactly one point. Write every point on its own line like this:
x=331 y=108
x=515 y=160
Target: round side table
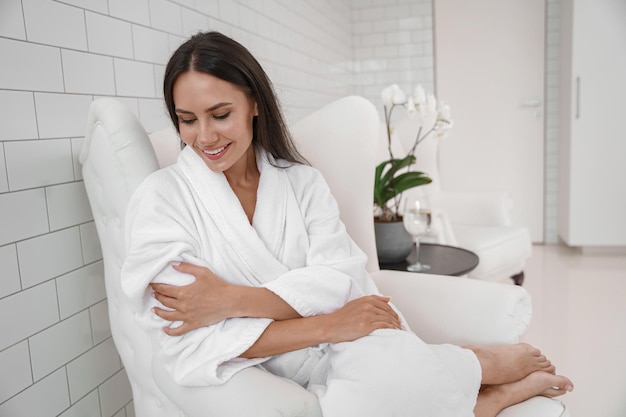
x=443 y=260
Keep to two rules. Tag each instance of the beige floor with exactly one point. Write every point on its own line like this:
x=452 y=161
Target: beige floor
x=579 y=322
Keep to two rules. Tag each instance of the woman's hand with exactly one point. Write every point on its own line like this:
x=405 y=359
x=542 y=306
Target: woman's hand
x=361 y=317
x=206 y=301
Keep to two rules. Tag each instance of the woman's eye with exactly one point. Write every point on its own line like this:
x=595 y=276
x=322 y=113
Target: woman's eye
x=221 y=116
x=187 y=121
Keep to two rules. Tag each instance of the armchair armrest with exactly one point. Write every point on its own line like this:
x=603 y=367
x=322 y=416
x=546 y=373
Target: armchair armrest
x=487 y=208
x=250 y=392
x=442 y=309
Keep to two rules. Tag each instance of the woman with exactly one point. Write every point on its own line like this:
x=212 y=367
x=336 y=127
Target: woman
x=237 y=258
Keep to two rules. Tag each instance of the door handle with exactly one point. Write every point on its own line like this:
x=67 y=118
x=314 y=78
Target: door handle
x=531 y=102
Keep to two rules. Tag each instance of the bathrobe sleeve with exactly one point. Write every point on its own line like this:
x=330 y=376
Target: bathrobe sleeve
x=161 y=228
x=335 y=267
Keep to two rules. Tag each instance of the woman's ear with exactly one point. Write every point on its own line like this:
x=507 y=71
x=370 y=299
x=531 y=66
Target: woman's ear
x=256 y=109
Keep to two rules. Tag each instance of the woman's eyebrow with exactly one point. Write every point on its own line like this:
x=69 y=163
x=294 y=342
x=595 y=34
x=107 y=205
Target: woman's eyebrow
x=213 y=107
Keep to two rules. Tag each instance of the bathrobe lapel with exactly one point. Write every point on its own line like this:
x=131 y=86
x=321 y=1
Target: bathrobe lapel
x=256 y=246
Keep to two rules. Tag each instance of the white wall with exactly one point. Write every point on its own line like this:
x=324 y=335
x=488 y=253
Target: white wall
x=56 y=353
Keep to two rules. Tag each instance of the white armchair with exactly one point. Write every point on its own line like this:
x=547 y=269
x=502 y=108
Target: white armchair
x=479 y=222
x=117 y=155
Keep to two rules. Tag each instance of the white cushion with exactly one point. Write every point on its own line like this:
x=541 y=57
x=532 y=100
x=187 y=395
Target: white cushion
x=536 y=407
x=501 y=250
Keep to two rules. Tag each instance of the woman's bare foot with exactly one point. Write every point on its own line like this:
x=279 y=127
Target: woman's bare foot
x=510 y=363
x=494 y=398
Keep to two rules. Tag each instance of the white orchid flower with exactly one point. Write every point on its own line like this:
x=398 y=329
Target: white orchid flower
x=431 y=103
x=410 y=106
x=444 y=111
x=419 y=95
x=393 y=95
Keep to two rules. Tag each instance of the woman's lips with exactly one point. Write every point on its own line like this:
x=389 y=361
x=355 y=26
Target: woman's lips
x=214 y=154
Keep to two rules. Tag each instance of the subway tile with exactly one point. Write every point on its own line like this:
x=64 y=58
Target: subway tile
x=60 y=344
x=48 y=397
x=61 y=115
x=99 y=6
x=37 y=163
x=130 y=410
x=159 y=75
x=153 y=115
x=229 y=12
x=53 y=23
x=134 y=78
x=173 y=41
x=115 y=393
x=91 y=244
x=88 y=406
x=68 y=205
x=193 y=22
x=87 y=73
x=22 y=63
x=22 y=320
x=121 y=413
x=48 y=256
x=92 y=368
x=109 y=36
x=136 y=11
x=166 y=16
x=9 y=271
x=100 y=325
x=150 y=45
x=77 y=145
x=12 y=20
x=24 y=215
x=4 y=182
x=17 y=115
x=209 y=8
x=81 y=289
x=14 y=362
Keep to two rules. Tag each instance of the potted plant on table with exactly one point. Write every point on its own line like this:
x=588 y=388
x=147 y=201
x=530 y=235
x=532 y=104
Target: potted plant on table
x=395 y=175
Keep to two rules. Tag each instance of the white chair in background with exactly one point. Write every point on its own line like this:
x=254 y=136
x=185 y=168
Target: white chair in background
x=479 y=222
x=118 y=154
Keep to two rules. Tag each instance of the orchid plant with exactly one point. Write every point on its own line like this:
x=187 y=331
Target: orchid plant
x=392 y=179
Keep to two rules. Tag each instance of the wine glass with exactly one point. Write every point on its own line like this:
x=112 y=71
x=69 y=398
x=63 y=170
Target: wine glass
x=416 y=218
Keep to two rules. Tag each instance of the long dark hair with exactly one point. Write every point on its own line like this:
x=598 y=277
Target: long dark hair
x=222 y=57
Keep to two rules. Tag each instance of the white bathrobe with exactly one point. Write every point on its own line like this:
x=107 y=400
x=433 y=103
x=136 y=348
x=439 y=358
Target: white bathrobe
x=298 y=248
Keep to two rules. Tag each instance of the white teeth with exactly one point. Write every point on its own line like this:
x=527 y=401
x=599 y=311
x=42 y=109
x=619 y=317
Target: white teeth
x=216 y=151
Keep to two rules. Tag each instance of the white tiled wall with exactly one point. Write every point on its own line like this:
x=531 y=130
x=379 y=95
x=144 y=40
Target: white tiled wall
x=393 y=44
x=57 y=357
x=58 y=56
x=553 y=62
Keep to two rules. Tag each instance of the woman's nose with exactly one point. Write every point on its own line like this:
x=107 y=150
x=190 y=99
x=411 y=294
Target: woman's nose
x=206 y=134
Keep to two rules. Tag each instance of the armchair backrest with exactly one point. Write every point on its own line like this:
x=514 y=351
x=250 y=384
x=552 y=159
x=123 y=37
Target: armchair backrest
x=341 y=140
x=116 y=156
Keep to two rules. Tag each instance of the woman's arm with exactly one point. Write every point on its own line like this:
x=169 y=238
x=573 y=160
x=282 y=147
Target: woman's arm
x=356 y=319
x=209 y=300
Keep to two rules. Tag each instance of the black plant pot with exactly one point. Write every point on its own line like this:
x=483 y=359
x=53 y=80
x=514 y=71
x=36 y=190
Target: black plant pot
x=393 y=243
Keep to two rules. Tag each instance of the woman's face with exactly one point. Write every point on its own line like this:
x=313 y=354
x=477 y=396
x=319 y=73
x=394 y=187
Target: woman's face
x=215 y=119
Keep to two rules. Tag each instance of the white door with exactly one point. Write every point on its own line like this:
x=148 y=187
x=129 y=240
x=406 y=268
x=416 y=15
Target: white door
x=489 y=64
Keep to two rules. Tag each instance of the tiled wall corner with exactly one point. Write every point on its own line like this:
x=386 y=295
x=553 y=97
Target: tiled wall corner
x=551 y=135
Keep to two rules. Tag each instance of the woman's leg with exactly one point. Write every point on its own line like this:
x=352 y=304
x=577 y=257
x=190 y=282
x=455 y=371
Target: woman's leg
x=494 y=398
x=509 y=363
x=392 y=372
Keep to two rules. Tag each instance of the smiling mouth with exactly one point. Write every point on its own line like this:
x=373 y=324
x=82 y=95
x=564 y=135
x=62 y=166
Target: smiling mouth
x=215 y=153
